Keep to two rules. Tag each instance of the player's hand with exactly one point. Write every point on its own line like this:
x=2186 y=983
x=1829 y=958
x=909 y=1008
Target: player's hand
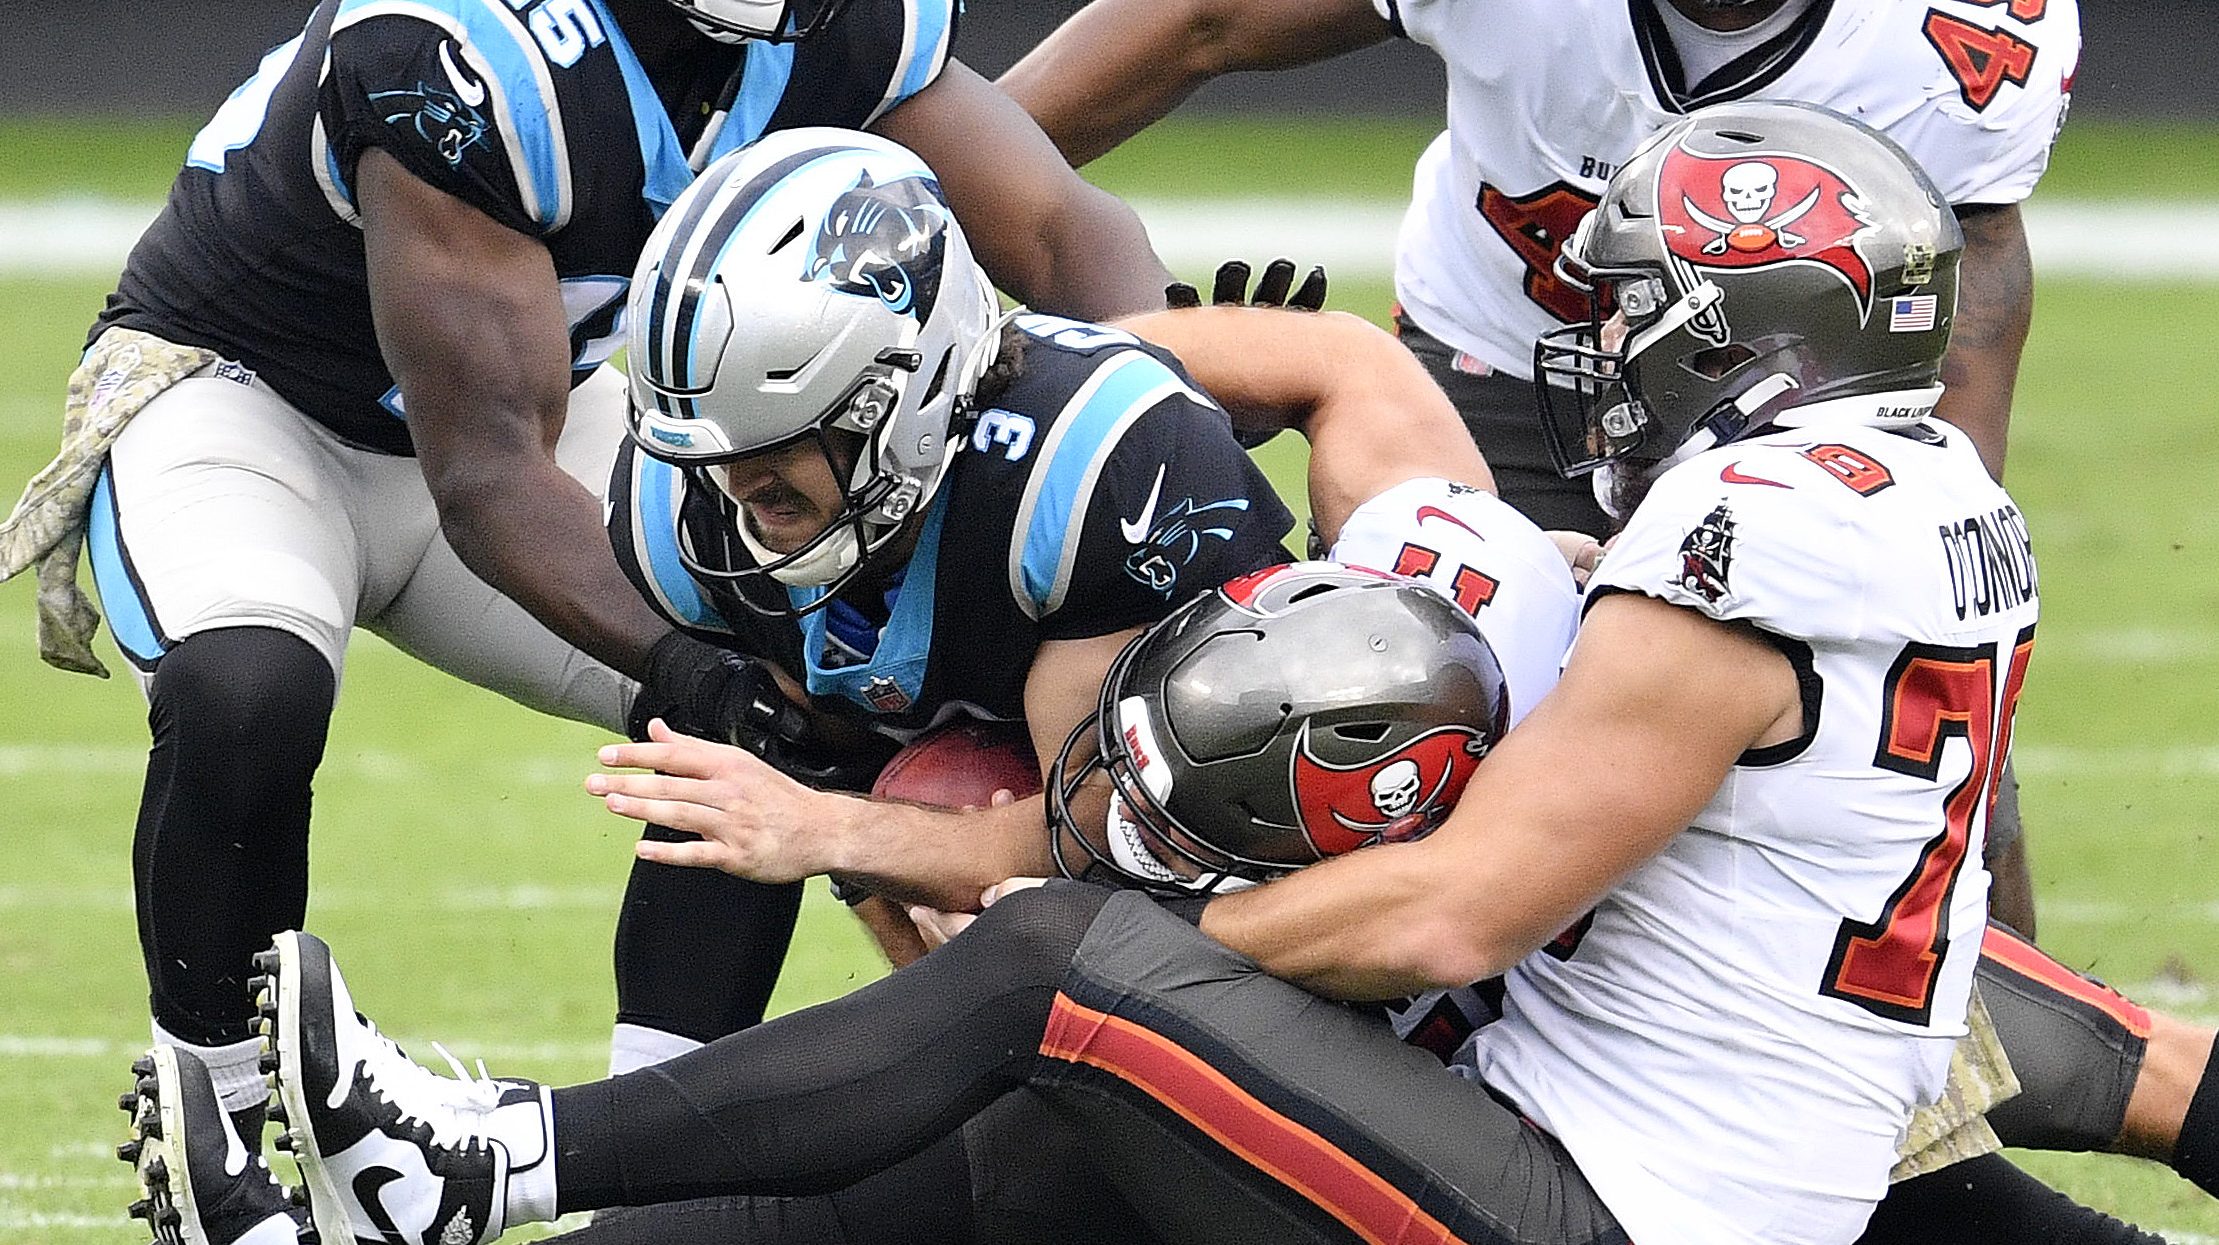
x=936 y=926
x=1582 y=552
x=715 y=693
x=709 y=692
x=754 y=822
x=1230 y=288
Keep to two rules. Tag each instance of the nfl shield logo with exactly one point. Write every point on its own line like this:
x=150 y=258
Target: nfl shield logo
x=885 y=695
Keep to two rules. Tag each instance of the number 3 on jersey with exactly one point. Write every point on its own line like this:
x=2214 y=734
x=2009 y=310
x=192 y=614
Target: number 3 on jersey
x=1934 y=693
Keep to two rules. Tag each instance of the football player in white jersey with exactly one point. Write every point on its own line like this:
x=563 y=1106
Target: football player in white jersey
x=1547 y=97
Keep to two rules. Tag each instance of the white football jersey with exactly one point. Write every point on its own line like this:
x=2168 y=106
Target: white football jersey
x=1730 y=1045
x=1469 y=546
x=1483 y=555
x=1547 y=97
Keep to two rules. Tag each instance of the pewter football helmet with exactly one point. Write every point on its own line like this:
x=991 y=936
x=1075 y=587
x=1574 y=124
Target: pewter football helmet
x=812 y=284
x=1297 y=713
x=1767 y=258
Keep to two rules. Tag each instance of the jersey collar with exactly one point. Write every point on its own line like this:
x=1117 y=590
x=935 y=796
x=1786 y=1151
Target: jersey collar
x=1738 y=78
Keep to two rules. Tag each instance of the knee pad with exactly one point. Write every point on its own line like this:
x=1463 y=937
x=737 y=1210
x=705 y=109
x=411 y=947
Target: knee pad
x=244 y=691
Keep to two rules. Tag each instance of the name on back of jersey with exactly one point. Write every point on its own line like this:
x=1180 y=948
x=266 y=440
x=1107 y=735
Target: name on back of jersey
x=1991 y=563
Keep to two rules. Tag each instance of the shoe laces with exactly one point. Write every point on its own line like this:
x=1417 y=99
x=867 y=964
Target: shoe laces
x=454 y=1109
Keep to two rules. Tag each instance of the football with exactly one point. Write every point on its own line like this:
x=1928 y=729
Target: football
x=960 y=764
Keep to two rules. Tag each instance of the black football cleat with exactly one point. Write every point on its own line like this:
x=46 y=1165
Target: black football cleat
x=200 y=1184
x=389 y=1151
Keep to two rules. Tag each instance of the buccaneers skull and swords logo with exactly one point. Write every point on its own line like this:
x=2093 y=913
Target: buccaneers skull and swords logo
x=1755 y=210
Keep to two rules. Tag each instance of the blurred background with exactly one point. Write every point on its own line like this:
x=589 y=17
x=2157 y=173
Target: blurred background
x=2145 y=59
x=473 y=888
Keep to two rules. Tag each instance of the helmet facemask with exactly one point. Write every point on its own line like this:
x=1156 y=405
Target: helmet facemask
x=875 y=502
x=1141 y=842
x=1652 y=376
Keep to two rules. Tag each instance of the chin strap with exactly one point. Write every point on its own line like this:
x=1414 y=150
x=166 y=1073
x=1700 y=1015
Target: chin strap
x=1726 y=422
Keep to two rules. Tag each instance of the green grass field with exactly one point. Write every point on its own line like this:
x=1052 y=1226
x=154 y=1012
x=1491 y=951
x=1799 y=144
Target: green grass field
x=470 y=885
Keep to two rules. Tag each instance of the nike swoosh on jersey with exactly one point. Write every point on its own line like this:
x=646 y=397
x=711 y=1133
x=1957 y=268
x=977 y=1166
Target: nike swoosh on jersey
x=1435 y=512
x=467 y=89
x=1136 y=530
x=1732 y=475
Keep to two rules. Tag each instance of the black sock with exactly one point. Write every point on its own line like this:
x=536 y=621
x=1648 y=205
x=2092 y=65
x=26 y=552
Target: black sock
x=1987 y=1201
x=823 y=1098
x=2196 y=1155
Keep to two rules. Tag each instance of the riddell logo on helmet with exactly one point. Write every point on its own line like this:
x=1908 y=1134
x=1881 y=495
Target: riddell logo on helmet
x=1393 y=798
x=1136 y=749
x=1758 y=210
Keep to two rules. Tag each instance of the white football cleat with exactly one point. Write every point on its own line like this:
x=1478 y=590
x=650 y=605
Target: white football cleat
x=390 y=1151
x=202 y=1186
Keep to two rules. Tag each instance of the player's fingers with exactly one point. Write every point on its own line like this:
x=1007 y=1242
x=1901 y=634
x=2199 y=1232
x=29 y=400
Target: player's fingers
x=691 y=854
x=676 y=814
x=937 y=927
x=655 y=787
x=1271 y=290
x=1311 y=296
x=1581 y=552
x=1231 y=285
x=1007 y=887
x=1179 y=295
x=633 y=756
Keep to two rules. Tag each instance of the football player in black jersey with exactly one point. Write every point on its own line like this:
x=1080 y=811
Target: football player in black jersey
x=408 y=235
x=846 y=464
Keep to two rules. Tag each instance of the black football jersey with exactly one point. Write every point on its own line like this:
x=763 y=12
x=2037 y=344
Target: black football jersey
x=1099 y=492
x=536 y=112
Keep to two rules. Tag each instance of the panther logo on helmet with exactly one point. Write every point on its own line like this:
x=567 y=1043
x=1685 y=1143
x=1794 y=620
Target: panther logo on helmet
x=1392 y=798
x=1757 y=210
x=884 y=242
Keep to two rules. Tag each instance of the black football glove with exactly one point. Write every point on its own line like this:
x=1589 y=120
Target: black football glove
x=714 y=693
x=1230 y=288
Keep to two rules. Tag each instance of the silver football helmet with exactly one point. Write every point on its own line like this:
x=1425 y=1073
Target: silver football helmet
x=1760 y=264
x=771 y=21
x=1294 y=714
x=810 y=285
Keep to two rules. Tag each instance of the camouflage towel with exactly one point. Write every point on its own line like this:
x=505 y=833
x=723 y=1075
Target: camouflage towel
x=1956 y=1128
x=124 y=370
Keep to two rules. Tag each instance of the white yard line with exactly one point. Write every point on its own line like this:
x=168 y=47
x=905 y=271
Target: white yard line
x=2112 y=240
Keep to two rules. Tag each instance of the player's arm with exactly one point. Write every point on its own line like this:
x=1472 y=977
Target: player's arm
x=1118 y=66
x=470 y=319
x=1047 y=236
x=1995 y=306
x=1372 y=415
x=756 y=823
x=1656 y=705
